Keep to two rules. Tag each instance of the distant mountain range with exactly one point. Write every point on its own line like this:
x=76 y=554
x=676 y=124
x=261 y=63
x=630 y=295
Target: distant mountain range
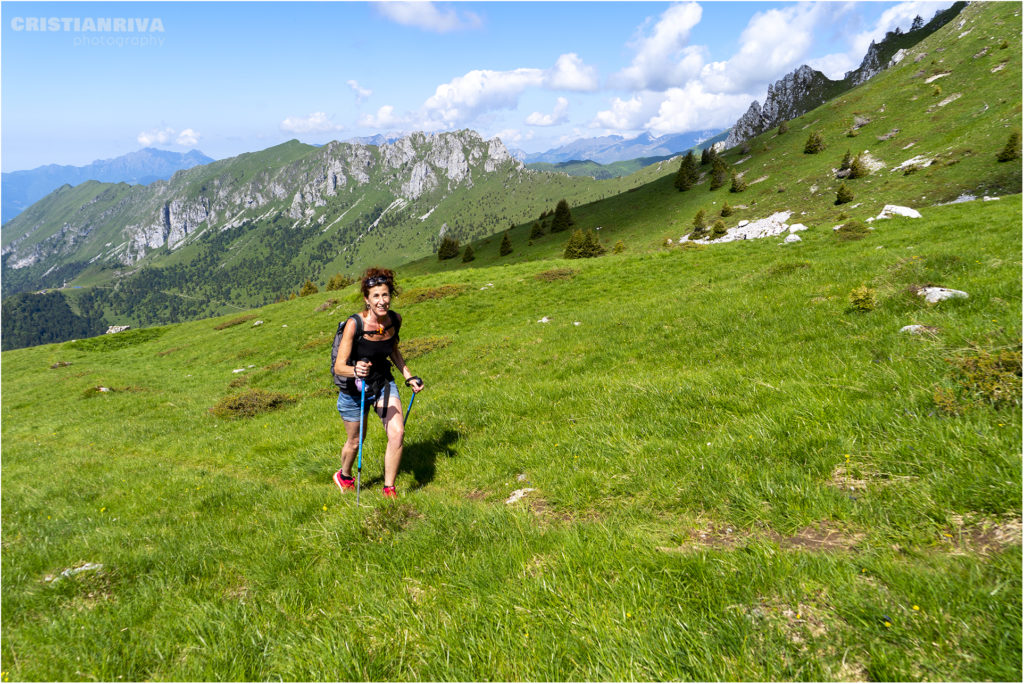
x=22 y=189
x=616 y=148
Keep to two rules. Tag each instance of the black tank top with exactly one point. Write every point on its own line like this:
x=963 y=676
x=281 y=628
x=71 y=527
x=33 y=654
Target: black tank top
x=377 y=351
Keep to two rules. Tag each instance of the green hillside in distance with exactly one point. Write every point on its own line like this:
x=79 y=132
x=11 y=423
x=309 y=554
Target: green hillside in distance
x=710 y=462
x=931 y=126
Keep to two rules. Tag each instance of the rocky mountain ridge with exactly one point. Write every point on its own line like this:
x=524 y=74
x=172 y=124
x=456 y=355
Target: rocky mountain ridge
x=805 y=88
x=229 y=193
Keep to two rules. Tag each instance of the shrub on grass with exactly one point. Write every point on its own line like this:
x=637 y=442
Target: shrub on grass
x=449 y=248
x=862 y=298
x=705 y=156
x=128 y=338
x=619 y=247
x=326 y=305
x=506 y=246
x=556 y=274
x=982 y=377
x=783 y=128
x=700 y=220
x=815 y=143
x=843 y=194
x=1012 y=149
x=536 y=230
x=468 y=255
x=845 y=164
x=339 y=281
x=726 y=210
x=308 y=288
x=852 y=230
x=718 y=230
x=250 y=403
x=852 y=133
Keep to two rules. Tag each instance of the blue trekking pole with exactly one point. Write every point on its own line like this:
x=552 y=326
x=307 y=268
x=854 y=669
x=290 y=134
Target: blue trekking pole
x=408 y=410
x=362 y=414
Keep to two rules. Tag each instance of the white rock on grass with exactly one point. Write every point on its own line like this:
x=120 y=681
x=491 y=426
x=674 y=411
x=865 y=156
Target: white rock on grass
x=792 y=238
x=933 y=295
x=918 y=329
x=890 y=210
x=762 y=228
x=519 y=494
x=68 y=572
x=544 y=320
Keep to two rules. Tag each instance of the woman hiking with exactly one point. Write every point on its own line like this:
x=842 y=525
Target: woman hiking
x=365 y=347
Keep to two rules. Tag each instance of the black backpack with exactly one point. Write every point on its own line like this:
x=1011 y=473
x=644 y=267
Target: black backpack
x=343 y=383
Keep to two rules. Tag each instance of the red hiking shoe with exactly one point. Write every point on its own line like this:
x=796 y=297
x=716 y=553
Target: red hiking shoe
x=344 y=483
x=390 y=493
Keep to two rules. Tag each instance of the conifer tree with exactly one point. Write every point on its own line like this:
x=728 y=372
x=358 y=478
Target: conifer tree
x=468 y=255
x=1012 y=149
x=308 y=288
x=845 y=164
x=574 y=245
x=726 y=210
x=719 y=173
x=705 y=156
x=843 y=195
x=687 y=174
x=858 y=169
x=738 y=184
x=699 y=220
x=563 y=217
x=449 y=248
x=815 y=143
x=506 y=246
x=783 y=128
x=718 y=230
x=536 y=230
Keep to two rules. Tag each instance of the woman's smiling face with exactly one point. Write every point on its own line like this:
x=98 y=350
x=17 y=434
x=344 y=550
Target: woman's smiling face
x=379 y=300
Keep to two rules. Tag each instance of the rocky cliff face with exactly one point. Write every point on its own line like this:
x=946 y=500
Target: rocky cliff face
x=787 y=98
x=167 y=213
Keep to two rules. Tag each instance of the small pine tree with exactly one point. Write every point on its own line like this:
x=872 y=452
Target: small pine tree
x=738 y=184
x=506 y=246
x=845 y=165
x=1012 y=149
x=783 y=128
x=574 y=245
x=705 y=156
x=917 y=24
x=858 y=169
x=449 y=248
x=687 y=174
x=619 y=247
x=718 y=230
x=726 y=210
x=815 y=143
x=308 y=288
x=719 y=173
x=563 y=218
x=699 y=220
x=843 y=195
x=468 y=255
x=536 y=230
x=592 y=246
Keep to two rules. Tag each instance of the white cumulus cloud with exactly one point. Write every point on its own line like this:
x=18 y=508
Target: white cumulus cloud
x=317 y=122
x=384 y=118
x=663 y=58
x=428 y=16
x=692 y=108
x=187 y=137
x=156 y=136
x=558 y=116
x=570 y=73
x=361 y=93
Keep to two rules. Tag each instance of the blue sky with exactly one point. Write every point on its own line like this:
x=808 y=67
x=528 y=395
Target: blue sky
x=234 y=77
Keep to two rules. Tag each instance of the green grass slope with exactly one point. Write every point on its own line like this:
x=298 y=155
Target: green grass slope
x=735 y=475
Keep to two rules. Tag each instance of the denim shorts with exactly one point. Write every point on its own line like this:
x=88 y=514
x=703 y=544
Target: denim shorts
x=348 y=406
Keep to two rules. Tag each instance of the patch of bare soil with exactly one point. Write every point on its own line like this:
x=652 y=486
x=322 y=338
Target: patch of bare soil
x=981 y=534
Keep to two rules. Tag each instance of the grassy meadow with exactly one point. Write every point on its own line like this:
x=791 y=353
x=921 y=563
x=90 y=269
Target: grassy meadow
x=736 y=475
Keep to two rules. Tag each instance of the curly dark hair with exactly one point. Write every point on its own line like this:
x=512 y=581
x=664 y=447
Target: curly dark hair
x=376 y=274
